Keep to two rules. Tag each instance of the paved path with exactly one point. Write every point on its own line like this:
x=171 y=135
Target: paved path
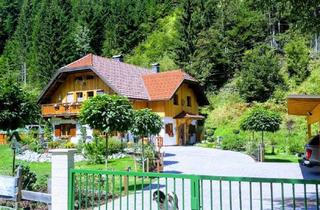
x=204 y=161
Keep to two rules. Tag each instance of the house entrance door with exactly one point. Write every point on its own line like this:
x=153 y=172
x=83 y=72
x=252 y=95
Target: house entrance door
x=182 y=136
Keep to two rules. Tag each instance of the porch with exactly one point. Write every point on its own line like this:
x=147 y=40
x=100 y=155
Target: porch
x=186 y=127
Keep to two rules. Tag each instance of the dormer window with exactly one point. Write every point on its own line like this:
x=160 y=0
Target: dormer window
x=188 y=100
x=176 y=99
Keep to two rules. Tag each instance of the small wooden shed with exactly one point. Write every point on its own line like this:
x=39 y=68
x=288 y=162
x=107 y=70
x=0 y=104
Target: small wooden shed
x=307 y=106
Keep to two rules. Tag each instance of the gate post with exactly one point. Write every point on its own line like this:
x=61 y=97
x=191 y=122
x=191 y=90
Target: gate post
x=62 y=160
x=195 y=193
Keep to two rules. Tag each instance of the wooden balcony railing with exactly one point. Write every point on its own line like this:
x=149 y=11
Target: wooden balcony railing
x=60 y=109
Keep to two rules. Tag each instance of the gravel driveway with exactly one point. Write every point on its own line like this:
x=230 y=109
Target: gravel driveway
x=204 y=161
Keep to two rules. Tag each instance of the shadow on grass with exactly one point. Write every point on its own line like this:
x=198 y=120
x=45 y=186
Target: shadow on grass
x=169 y=154
x=172 y=172
x=170 y=162
x=277 y=160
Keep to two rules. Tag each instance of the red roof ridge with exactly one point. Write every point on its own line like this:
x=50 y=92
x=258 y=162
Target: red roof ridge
x=86 y=60
x=181 y=71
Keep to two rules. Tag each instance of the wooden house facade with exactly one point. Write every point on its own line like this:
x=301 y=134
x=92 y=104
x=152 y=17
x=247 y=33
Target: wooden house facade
x=174 y=95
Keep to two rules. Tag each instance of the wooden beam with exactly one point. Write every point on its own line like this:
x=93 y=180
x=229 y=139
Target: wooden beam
x=36 y=196
x=314 y=116
x=309 y=131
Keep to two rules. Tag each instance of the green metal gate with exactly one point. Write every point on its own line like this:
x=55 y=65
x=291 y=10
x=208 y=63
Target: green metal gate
x=95 y=189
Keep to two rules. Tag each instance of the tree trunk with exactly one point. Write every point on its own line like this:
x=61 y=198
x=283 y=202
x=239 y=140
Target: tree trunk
x=262 y=148
x=272 y=149
x=107 y=150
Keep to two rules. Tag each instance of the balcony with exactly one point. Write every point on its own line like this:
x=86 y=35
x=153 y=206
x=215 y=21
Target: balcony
x=60 y=109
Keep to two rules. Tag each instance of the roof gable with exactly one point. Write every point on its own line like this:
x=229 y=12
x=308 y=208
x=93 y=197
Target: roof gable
x=125 y=79
x=84 y=61
x=162 y=86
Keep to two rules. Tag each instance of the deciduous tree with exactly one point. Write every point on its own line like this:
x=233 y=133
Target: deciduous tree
x=107 y=113
x=146 y=123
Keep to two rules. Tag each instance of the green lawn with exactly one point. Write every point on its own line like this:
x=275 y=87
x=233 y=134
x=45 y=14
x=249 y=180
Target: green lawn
x=45 y=168
x=280 y=156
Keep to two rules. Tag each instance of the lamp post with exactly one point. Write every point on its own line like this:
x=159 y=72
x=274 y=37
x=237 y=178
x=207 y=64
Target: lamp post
x=14 y=147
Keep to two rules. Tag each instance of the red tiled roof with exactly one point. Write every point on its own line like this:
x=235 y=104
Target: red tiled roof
x=84 y=61
x=126 y=79
x=123 y=78
x=162 y=86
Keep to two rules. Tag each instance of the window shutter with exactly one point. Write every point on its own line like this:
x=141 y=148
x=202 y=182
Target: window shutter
x=73 y=130
x=57 y=130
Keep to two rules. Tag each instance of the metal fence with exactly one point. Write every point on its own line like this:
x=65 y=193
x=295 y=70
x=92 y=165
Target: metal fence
x=95 y=189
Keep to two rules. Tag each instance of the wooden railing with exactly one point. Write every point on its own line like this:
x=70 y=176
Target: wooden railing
x=60 y=109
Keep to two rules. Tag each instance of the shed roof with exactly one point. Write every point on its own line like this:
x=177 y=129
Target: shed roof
x=302 y=105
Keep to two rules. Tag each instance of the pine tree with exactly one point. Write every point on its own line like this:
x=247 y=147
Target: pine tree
x=52 y=42
x=9 y=13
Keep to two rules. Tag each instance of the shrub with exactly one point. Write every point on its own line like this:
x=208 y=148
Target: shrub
x=231 y=139
x=48 y=131
x=95 y=151
x=69 y=145
x=234 y=143
x=55 y=144
x=32 y=143
x=295 y=146
x=115 y=146
x=41 y=184
x=29 y=177
x=149 y=152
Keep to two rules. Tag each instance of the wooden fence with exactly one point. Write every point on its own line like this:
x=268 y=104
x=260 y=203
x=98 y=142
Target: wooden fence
x=10 y=190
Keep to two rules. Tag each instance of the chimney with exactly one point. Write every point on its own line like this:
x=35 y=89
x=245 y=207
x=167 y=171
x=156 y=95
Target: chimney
x=156 y=67
x=118 y=58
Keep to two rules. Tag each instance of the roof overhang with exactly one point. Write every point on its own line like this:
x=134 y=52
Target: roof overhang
x=58 y=79
x=302 y=105
x=305 y=105
x=198 y=90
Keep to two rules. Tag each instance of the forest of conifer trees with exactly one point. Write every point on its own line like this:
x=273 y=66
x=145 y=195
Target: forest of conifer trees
x=214 y=40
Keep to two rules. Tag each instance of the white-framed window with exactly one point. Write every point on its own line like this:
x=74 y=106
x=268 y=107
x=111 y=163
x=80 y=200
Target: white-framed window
x=79 y=96
x=69 y=97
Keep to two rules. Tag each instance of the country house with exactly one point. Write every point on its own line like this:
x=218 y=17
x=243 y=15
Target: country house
x=174 y=95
